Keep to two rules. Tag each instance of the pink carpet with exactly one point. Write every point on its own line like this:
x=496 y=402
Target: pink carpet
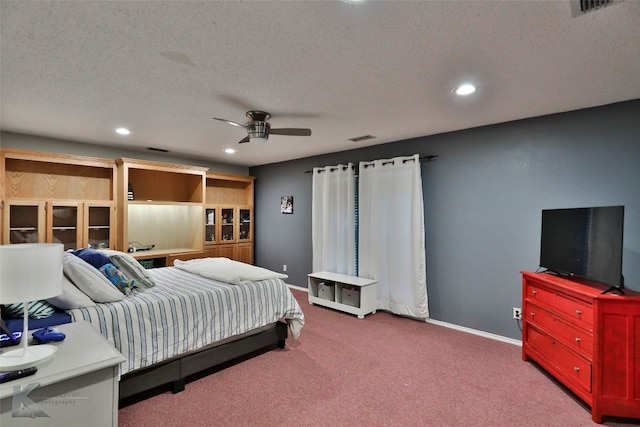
x=383 y=370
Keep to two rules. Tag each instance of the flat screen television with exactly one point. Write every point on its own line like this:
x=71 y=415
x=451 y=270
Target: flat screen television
x=584 y=243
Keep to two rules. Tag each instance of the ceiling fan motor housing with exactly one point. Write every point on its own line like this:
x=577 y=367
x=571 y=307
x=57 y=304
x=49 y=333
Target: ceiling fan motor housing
x=258 y=129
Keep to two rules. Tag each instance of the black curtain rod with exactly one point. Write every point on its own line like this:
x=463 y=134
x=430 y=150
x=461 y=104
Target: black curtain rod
x=422 y=159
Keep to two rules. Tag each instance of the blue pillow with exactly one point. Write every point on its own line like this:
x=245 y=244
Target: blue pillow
x=92 y=256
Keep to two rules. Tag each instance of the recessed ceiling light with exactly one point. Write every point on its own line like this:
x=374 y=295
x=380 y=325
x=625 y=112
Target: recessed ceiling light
x=464 y=89
x=230 y=150
x=123 y=131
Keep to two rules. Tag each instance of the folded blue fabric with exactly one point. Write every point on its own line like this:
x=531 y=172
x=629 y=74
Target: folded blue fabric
x=92 y=256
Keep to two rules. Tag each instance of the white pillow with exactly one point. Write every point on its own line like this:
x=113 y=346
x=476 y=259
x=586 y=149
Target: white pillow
x=71 y=297
x=130 y=267
x=89 y=280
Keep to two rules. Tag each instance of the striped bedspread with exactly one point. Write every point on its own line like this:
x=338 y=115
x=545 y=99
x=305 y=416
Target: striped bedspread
x=184 y=312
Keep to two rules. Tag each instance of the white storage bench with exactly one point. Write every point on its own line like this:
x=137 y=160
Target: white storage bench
x=355 y=295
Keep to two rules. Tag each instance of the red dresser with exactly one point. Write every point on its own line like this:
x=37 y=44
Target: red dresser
x=587 y=340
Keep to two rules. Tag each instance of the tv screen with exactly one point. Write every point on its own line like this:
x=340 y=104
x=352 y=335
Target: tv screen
x=584 y=242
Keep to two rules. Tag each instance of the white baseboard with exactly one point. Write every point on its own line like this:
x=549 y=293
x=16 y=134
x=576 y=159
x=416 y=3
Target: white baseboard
x=451 y=326
x=475 y=332
x=298 y=288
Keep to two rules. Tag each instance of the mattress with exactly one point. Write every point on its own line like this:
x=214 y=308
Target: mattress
x=185 y=312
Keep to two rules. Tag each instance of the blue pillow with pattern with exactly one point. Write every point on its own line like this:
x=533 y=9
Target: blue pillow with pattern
x=118 y=279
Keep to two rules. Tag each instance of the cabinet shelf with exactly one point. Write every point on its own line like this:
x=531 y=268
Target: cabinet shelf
x=162 y=202
x=167 y=207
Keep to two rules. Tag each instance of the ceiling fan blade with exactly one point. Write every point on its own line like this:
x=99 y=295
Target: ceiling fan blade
x=245 y=139
x=231 y=123
x=291 y=131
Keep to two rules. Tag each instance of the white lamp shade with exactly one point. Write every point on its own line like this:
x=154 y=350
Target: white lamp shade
x=30 y=271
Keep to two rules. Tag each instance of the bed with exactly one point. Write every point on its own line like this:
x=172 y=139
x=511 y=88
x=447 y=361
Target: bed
x=187 y=324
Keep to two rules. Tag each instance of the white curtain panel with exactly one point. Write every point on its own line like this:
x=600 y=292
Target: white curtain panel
x=333 y=210
x=391 y=234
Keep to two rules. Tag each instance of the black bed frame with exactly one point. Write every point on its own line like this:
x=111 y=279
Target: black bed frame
x=174 y=373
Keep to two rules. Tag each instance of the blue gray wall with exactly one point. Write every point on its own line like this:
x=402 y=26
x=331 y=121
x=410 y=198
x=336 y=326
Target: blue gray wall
x=483 y=199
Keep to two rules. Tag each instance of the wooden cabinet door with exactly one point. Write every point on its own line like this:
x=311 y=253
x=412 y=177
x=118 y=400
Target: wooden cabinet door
x=64 y=224
x=245 y=224
x=210 y=220
x=24 y=222
x=227 y=251
x=245 y=253
x=99 y=226
x=227 y=225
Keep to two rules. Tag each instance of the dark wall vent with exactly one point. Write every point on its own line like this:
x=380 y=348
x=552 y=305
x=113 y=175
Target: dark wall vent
x=580 y=7
x=362 y=138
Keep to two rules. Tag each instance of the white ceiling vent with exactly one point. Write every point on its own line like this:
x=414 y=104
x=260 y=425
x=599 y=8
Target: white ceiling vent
x=580 y=7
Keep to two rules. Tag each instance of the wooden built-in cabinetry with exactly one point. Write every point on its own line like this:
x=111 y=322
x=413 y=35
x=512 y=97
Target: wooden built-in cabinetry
x=229 y=216
x=587 y=340
x=161 y=205
x=60 y=198
x=182 y=211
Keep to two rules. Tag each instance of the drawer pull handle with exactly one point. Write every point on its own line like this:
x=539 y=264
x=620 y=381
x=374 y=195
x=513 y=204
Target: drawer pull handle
x=578 y=312
x=575 y=368
x=578 y=340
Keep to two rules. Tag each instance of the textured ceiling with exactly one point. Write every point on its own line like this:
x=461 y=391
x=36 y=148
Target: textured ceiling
x=77 y=70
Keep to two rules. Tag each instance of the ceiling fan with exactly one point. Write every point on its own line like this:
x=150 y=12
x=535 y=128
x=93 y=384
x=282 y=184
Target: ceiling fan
x=259 y=129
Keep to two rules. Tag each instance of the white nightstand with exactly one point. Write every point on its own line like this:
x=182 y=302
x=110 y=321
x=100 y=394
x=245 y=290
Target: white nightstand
x=79 y=386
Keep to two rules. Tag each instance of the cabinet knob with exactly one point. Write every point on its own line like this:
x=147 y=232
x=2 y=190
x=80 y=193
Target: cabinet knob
x=532 y=314
x=577 y=369
x=578 y=339
x=534 y=292
x=578 y=312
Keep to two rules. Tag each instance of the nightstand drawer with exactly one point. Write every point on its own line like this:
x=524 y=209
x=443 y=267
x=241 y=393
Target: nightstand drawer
x=577 y=311
x=568 y=365
x=573 y=337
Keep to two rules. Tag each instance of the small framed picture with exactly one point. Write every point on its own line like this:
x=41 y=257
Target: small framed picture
x=286 y=204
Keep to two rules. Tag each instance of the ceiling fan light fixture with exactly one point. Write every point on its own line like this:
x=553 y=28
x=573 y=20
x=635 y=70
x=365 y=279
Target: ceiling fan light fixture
x=230 y=150
x=258 y=140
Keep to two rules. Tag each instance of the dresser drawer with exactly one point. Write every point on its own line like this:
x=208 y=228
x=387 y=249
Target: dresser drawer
x=580 y=312
x=573 y=337
x=569 y=366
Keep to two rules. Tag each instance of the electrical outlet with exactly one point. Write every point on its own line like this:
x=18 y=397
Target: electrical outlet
x=517 y=313
x=284 y=267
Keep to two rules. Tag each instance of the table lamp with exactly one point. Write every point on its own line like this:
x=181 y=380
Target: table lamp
x=29 y=272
